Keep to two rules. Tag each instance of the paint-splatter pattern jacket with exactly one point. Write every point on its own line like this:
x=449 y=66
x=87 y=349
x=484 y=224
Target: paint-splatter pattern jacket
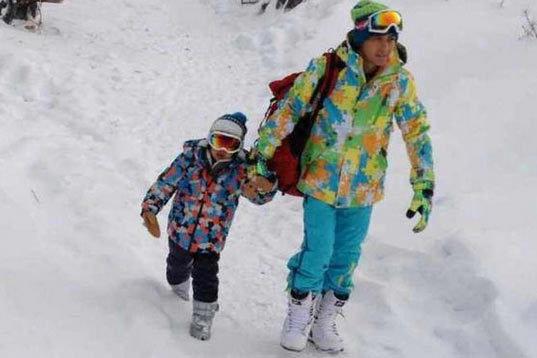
x=204 y=205
x=345 y=159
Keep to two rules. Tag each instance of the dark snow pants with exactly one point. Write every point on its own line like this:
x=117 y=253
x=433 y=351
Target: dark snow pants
x=202 y=266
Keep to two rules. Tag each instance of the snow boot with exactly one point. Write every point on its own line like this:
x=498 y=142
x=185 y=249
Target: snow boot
x=202 y=319
x=182 y=290
x=324 y=334
x=297 y=324
x=33 y=17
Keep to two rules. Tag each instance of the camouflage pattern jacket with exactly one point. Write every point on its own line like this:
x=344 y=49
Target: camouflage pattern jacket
x=345 y=159
x=204 y=203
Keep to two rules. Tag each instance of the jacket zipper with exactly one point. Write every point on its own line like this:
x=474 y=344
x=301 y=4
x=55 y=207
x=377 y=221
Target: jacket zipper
x=202 y=203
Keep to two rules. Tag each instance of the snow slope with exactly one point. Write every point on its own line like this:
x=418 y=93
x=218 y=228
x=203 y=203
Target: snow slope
x=98 y=103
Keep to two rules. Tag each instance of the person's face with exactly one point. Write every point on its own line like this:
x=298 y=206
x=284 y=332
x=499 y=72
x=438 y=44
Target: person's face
x=377 y=49
x=220 y=154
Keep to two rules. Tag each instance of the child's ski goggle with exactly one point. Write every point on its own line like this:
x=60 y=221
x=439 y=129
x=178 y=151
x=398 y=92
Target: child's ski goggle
x=225 y=142
x=382 y=21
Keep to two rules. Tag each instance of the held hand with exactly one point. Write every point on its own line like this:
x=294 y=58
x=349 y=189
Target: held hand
x=421 y=203
x=262 y=184
x=151 y=223
x=249 y=190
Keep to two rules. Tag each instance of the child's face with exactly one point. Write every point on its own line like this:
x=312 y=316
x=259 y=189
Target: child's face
x=220 y=154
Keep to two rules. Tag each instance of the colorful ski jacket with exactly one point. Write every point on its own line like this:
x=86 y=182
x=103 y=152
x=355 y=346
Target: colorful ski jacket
x=345 y=159
x=204 y=204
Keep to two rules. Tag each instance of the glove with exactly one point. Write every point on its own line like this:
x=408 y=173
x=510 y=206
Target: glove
x=151 y=223
x=258 y=166
x=249 y=190
x=261 y=167
x=421 y=203
x=263 y=184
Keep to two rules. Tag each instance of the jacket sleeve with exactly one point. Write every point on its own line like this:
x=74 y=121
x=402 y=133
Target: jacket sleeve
x=291 y=109
x=411 y=117
x=162 y=190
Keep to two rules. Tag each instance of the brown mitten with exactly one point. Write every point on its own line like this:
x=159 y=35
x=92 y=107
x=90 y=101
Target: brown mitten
x=262 y=184
x=249 y=190
x=151 y=223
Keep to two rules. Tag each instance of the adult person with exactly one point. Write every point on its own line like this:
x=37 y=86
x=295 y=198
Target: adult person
x=343 y=167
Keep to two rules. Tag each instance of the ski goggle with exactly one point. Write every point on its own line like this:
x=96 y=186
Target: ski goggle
x=382 y=21
x=225 y=142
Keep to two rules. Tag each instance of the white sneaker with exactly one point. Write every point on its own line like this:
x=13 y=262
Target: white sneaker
x=324 y=334
x=297 y=325
x=182 y=290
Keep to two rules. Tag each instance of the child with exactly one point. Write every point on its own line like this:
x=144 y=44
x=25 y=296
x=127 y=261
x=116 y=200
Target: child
x=207 y=179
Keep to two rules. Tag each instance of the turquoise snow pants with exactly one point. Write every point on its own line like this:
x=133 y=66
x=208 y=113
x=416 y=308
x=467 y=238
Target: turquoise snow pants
x=331 y=247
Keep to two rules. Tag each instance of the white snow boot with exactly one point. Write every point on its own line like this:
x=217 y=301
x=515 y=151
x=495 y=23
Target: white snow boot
x=202 y=319
x=324 y=334
x=182 y=290
x=297 y=324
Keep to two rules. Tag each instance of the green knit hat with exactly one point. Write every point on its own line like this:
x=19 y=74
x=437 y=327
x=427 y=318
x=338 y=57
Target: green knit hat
x=364 y=8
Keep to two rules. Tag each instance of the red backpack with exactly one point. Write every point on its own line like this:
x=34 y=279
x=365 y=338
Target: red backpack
x=286 y=160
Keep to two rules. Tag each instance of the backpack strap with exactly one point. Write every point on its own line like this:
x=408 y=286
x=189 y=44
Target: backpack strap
x=327 y=83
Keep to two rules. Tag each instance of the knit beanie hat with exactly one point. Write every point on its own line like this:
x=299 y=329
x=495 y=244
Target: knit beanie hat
x=364 y=8
x=232 y=124
x=360 y=12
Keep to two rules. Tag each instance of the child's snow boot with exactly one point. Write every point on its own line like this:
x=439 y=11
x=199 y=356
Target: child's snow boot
x=202 y=319
x=324 y=334
x=297 y=325
x=182 y=290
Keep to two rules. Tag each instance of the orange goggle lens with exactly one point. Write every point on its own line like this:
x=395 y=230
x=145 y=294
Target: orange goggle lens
x=222 y=142
x=382 y=21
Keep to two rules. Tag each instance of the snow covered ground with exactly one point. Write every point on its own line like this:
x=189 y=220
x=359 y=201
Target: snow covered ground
x=94 y=106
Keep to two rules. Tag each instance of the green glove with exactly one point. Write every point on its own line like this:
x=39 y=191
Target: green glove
x=261 y=167
x=258 y=166
x=421 y=203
